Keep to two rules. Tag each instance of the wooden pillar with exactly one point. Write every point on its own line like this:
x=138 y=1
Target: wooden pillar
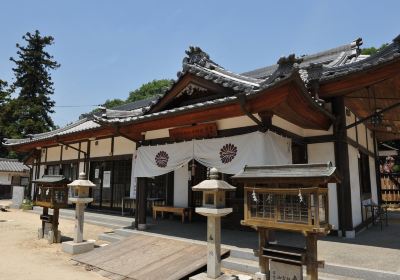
x=141 y=204
x=45 y=213
x=342 y=164
x=377 y=169
x=56 y=213
x=312 y=256
x=263 y=262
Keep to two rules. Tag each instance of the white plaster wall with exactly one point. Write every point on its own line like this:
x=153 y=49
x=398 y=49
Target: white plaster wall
x=181 y=177
x=324 y=152
x=41 y=170
x=355 y=186
x=351 y=132
x=123 y=146
x=362 y=138
x=282 y=123
x=53 y=153
x=372 y=172
x=241 y=121
x=43 y=154
x=83 y=148
x=69 y=153
x=370 y=141
x=102 y=149
x=159 y=133
x=5 y=178
x=314 y=132
x=81 y=166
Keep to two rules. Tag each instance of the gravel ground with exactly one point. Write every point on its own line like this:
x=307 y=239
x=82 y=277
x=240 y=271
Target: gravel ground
x=25 y=257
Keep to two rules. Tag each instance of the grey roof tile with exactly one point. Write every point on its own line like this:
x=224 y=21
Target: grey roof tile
x=12 y=165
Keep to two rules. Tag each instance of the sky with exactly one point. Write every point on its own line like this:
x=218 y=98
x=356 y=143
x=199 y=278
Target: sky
x=108 y=48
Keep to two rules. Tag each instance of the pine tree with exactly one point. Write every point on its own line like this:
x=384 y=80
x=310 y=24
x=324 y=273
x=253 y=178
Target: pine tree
x=34 y=85
x=4 y=115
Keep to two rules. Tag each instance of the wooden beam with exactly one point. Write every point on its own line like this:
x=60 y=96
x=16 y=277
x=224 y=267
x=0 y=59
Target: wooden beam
x=359 y=80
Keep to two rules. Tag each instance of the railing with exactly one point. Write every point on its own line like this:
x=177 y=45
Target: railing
x=390 y=188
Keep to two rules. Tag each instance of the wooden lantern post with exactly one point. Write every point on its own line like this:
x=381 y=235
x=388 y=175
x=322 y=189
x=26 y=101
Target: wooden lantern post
x=291 y=198
x=51 y=193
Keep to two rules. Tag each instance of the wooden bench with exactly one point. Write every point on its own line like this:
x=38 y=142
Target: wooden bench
x=175 y=210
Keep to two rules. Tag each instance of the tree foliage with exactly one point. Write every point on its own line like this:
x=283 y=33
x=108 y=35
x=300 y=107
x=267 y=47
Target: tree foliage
x=150 y=89
x=34 y=85
x=147 y=90
x=373 y=50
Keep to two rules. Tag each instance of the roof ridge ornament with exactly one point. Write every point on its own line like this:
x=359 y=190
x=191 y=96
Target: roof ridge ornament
x=286 y=65
x=195 y=55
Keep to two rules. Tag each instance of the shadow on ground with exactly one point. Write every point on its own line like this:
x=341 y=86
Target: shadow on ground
x=388 y=237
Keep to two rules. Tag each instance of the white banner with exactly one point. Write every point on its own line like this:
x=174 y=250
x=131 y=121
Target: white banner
x=228 y=154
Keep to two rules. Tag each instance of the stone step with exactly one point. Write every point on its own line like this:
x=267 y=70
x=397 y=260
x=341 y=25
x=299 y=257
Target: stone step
x=110 y=237
x=241 y=253
x=110 y=221
x=241 y=265
x=124 y=232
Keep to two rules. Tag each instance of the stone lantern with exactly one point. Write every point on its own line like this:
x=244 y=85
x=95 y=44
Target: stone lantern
x=79 y=195
x=213 y=208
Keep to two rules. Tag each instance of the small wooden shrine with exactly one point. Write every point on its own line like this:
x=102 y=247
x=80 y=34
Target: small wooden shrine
x=292 y=198
x=51 y=192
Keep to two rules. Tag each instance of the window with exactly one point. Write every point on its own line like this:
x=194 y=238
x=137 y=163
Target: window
x=53 y=169
x=70 y=171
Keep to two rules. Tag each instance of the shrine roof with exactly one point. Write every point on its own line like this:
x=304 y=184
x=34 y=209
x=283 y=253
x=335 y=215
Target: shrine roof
x=274 y=173
x=12 y=165
x=51 y=179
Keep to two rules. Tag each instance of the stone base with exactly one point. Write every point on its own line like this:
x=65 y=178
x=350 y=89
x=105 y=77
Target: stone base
x=260 y=276
x=73 y=248
x=49 y=235
x=203 y=276
x=142 y=226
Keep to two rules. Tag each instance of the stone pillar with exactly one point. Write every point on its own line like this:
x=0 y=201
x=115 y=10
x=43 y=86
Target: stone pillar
x=214 y=247
x=79 y=218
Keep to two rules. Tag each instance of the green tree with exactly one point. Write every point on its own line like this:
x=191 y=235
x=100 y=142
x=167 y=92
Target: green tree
x=34 y=84
x=150 y=89
x=373 y=50
x=4 y=99
x=147 y=90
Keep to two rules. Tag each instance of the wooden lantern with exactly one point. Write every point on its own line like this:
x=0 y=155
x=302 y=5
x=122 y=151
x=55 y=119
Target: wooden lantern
x=51 y=192
x=288 y=197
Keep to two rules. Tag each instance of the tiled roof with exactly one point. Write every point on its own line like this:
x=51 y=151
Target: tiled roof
x=291 y=171
x=80 y=125
x=12 y=165
x=332 y=57
x=114 y=116
x=198 y=63
x=388 y=54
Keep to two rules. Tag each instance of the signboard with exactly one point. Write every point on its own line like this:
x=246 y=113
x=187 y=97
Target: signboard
x=96 y=173
x=205 y=130
x=284 y=271
x=106 y=179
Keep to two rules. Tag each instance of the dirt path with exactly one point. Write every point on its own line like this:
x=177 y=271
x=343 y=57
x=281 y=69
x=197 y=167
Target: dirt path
x=23 y=256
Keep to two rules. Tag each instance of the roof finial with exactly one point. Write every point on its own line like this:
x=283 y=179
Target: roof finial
x=195 y=55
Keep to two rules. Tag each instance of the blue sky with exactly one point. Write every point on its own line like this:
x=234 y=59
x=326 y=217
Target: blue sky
x=108 y=48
